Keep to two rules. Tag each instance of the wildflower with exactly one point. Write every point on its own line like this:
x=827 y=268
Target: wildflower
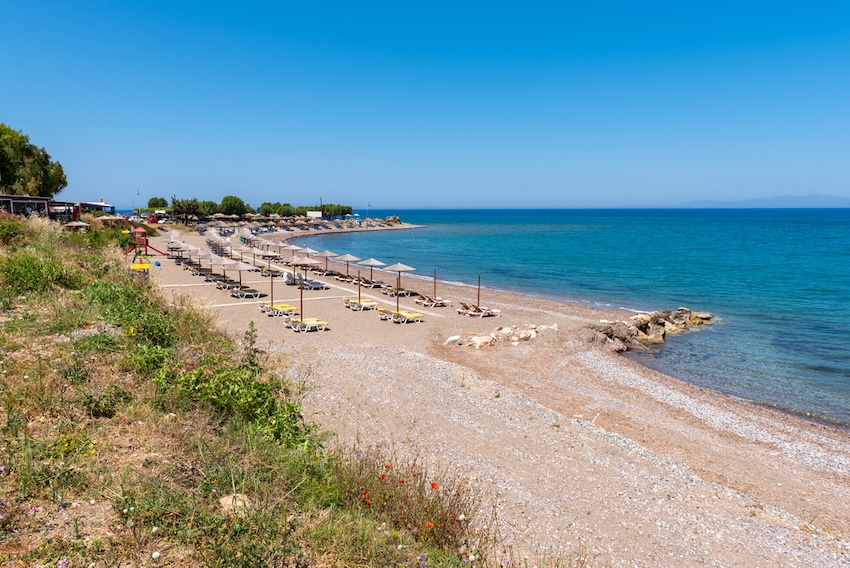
x=388 y=466
x=2 y=468
x=461 y=517
x=155 y=555
x=63 y=563
x=365 y=494
x=383 y=477
x=401 y=481
x=434 y=486
x=154 y=530
x=429 y=525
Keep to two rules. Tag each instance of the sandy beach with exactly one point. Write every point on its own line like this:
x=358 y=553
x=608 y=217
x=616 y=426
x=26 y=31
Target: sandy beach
x=573 y=443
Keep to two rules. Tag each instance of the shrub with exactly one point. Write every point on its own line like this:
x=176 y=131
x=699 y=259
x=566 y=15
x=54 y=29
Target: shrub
x=25 y=272
x=124 y=303
x=10 y=229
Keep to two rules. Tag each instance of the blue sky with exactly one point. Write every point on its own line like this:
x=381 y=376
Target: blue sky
x=445 y=105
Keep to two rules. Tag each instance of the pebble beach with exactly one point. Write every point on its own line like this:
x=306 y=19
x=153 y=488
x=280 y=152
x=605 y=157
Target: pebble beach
x=573 y=444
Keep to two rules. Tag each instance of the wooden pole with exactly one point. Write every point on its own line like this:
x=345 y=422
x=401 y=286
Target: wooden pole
x=358 y=286
x=435 y=283
x=479 y=291
x=397 y=289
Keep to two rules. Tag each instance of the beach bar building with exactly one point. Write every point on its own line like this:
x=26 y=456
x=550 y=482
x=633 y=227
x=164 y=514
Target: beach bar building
x=25 y=204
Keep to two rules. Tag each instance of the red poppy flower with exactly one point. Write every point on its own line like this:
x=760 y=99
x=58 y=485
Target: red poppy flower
x=434 y=486
x=401 y=481
x=383 y=477
x=429 y=525
x=388 y=466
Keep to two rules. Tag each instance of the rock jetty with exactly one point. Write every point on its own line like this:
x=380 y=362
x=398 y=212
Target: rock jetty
x=647 y=328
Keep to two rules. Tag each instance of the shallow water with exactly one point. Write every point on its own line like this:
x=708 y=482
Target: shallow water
x=777 y=280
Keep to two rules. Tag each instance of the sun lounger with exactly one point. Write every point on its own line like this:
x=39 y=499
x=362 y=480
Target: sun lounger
x=431 y=302
x=361 y=305
x=367 y=283
x=308 y=324
x=482 y=312
x=385 y=314
x=279 y=310
x=407 y=317
x=227 y=284
x=403 y=292
x=245 y=293
x=313 y=285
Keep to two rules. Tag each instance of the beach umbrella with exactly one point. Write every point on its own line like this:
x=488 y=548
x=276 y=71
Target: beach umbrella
x=292 y=248
x=399 y=268
x=346 y=258
x=240 y=266
x=371 y=263
x=305 y=262
x=326 y=255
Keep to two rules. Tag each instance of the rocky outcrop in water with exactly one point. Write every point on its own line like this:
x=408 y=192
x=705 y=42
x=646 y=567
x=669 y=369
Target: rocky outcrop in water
x=647 y=329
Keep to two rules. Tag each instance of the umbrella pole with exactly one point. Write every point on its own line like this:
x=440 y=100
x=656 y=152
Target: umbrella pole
x=302 y=302
x=358 y=286
x=397 y=290
x=271 y=295
x=479 y=291
x=435 y=283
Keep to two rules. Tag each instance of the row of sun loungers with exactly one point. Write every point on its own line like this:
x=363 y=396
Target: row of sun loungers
x=363 y=281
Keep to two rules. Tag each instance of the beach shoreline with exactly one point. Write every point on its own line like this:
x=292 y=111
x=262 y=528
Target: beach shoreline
x=524 y=411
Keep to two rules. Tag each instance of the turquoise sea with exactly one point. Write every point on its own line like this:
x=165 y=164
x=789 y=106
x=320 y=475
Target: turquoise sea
x=778 y=281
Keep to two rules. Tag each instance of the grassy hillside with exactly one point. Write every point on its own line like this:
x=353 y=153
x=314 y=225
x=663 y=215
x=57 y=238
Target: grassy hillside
x=135 y=434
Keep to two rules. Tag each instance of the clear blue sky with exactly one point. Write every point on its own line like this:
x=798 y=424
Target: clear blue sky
x=410 y=105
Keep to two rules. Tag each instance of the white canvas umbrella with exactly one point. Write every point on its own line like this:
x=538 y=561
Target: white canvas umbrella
x=372 y=263
x=399 y=268
x=346 y=258
x=326 y=255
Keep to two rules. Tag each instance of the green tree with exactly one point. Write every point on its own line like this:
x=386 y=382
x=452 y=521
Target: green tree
x=157 y=203
x=232 y=205
x=267 y=208
x=26 y=169
x=184 y=209
x=208 y=208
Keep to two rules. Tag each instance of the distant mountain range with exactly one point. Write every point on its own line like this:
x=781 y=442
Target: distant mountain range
x=780 y=201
